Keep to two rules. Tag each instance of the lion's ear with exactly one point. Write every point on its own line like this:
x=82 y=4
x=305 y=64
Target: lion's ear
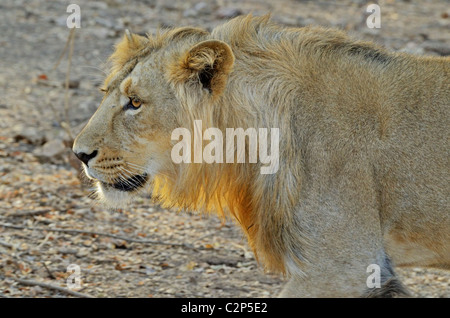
x=207 y=63
x=126 y=48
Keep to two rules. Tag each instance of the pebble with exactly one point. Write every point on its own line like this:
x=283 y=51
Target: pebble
x=29 y=134
x=201 y=8
x=51 y=152
x=228 y=13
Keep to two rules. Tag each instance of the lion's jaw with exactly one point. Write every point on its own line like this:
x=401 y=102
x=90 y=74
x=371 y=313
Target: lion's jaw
x=126 y=180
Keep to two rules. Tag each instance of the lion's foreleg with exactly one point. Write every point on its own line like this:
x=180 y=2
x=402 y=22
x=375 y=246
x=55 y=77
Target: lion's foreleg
x=345 y=256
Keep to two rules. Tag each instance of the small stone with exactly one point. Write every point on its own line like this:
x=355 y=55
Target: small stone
x=412 y=48
x=440 y=48
x=67 y=251
x=82 y=252
x=51 y=152
x=60 y=21
x=29 y=134
x=201 y=8
x=73 y=84
x=228 y=13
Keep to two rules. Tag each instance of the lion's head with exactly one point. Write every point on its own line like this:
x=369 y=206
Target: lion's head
x=153 y=80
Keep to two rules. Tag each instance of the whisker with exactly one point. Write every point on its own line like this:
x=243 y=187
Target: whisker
x=132 y=180
x=96 y=68
x=124 y=183
x=135 y=165
x=128 y=173
x=125 y=176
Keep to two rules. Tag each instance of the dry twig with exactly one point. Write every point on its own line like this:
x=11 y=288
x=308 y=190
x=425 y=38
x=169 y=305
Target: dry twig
x=50 y=274
x=75 y=231
x=6 y=244
x=28 y=213
x=65 y=124
x=50 y=286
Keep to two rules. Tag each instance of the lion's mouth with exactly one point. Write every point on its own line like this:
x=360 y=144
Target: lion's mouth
x=130 y=184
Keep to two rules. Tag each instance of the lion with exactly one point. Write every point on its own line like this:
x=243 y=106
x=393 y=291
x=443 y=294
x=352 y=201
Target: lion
x=363 y=179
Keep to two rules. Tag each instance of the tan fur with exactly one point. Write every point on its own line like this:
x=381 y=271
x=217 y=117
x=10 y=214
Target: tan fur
x=212 y=54
x=364 y=156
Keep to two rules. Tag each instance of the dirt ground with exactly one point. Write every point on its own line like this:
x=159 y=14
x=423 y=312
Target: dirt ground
x=143 y=251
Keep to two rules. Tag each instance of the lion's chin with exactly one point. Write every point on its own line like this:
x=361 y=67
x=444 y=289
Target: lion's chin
x=119 y=195
x=112 y=198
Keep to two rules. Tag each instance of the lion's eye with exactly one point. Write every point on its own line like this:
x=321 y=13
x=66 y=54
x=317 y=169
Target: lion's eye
x=135 y=103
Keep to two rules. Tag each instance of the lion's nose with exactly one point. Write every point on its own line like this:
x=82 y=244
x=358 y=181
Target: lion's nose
x=85 y=157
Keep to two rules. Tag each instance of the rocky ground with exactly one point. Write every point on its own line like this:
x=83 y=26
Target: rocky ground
x=47 y=220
